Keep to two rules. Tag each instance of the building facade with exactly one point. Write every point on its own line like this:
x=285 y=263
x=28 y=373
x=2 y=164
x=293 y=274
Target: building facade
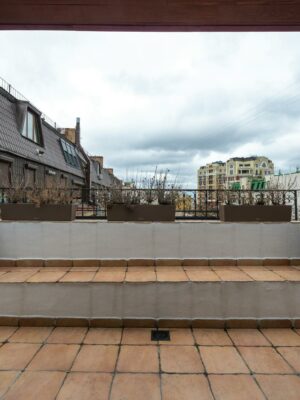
x=248 y=172
x=34 y=153
x=212 y=176
x=236 y=173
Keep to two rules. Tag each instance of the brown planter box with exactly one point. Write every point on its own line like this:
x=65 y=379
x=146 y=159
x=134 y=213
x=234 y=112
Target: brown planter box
x=30 y=212
x=141 y=212
x=246 y=213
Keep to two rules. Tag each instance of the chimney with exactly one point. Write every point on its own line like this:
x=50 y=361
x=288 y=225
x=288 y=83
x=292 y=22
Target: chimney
x=77 y=132
x=69 y=133
x=110 y=171
x=98 y=159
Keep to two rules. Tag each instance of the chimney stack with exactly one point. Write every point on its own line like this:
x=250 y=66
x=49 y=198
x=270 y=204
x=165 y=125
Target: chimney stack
x=77 y=132
x=99 y=160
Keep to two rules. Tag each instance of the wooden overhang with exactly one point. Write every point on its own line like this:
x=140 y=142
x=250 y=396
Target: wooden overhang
x=151 y=15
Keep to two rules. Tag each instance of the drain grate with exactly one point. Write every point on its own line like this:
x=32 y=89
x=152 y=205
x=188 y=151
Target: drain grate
x=160 y=335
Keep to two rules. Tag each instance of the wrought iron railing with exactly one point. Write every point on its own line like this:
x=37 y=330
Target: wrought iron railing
x=190 y=204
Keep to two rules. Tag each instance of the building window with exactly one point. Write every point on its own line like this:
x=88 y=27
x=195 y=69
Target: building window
x=31 y=129
x=69 y=154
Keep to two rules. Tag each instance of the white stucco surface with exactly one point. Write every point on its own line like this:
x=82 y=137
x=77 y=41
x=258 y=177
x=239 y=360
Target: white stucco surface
x=184 y=300
x=102 y=240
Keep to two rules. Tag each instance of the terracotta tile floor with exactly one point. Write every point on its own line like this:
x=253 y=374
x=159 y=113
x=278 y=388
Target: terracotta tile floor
x=148 y=274
x=117 y=364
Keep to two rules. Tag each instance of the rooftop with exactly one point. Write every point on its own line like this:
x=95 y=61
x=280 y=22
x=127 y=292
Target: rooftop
x=102 y=363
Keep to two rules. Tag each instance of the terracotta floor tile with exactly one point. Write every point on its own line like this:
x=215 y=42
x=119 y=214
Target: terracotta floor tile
x=253 y=268
x=67 y=335
x=235 y=387
x=219 y=360
x=36 y=385
x=96 y=358
x=212 y=337
x=281 y=268
x=247 y=337
x=137 y=336
x=103 y=336
x=16 y=355
x=236 y=276
x=280 y=387
x=291 y=355
x=6 y=269
x=6 y=332
x=197 y=268
x=114 y=275
x=148 y=268
x=16 y=276
x=54 y=357
x=225 y=268
x=85 y=386
x=84 y=269
x=180 y=337
x=138 y=359
x=264 y=360
x=288 y=275
x=140 y=276
x=50 y=276
x=136 y=387
x=78 y=277
x=171 y=276
x=168 y=269
x=264 y=276
x=28 y=334
x=181 y=359
x=6 y=380
x=189 y=387
x=282 y=337
x=54 y=269
x=202 y=276
x=111 y=269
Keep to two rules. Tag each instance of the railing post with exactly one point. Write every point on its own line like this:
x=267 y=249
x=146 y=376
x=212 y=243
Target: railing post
x=296 y=204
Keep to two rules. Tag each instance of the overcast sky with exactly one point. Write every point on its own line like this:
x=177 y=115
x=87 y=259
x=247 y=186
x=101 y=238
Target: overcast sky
x=176 y=100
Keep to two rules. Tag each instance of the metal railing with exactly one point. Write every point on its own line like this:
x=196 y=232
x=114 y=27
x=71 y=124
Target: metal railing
x=191 y=204
x=19 y=96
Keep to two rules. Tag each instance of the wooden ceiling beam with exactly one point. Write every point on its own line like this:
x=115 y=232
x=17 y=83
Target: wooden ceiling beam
x=151 y=15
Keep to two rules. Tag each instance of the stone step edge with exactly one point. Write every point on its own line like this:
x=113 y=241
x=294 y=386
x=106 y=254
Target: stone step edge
x=69 y=263
x=150 y=323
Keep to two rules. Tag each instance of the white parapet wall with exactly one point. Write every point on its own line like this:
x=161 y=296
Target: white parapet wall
x=153 y=300
x=103 y=240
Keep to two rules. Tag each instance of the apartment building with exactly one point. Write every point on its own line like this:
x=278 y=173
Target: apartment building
x=248 y=172
x=212 y=176
x=236 y=173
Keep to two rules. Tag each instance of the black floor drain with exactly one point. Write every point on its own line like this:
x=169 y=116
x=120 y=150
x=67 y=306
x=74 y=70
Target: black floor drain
x=160 y=335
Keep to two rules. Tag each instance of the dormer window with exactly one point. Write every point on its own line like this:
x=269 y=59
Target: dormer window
x=70 y=154
x=31 y=128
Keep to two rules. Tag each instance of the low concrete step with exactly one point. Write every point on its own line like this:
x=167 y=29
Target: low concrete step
x=150 y=295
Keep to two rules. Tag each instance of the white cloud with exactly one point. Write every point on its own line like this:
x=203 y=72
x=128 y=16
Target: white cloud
x=174 y=99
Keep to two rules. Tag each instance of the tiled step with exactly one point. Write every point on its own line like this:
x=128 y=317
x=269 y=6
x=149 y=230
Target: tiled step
x=213 y=295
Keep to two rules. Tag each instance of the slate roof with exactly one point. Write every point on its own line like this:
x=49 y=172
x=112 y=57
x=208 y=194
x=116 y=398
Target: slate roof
x=13 y=142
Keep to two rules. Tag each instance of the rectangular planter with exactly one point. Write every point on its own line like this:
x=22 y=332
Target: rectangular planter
x=30 y=212
x=259 y=213
x=141 y=212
